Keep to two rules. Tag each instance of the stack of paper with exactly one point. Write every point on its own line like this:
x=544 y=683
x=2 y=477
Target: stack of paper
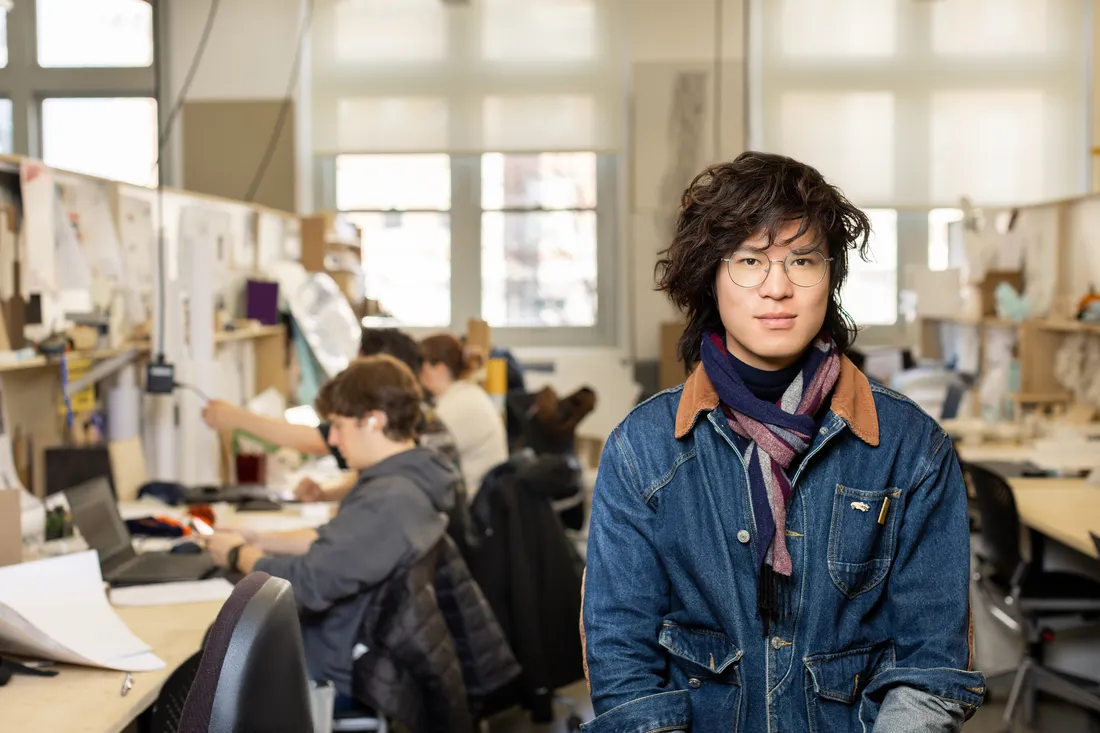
x=170 y=594
x=57 y=609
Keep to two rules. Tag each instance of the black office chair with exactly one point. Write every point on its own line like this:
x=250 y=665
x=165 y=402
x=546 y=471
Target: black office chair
x=952 y=401
x=252 y=674
x=1025 y=598
x=165 y=713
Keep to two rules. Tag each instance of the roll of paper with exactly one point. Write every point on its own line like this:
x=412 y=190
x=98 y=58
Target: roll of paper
x=123 y=413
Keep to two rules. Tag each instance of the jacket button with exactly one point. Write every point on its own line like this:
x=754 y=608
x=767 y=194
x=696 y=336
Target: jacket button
x=777 y=643
x=694 y=683
x=743 y=537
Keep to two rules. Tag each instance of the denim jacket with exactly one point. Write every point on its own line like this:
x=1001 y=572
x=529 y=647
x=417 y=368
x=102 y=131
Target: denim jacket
x=879 y=635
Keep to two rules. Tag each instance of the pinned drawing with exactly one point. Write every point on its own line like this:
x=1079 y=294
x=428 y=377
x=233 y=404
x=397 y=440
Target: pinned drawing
x=685 y=131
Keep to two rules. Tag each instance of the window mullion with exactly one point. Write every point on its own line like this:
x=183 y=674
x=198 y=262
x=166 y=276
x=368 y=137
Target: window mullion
x=465 y=239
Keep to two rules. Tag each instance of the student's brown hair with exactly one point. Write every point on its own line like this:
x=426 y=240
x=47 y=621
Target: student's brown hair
x=443 y=348
x=379 y=382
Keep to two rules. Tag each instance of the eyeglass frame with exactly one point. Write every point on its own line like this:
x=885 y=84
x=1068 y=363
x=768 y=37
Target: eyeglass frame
x=786 y=272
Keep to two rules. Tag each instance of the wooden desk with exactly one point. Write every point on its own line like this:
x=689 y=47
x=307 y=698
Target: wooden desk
x=994 y=451
x=87 y=700
x=1065 y=510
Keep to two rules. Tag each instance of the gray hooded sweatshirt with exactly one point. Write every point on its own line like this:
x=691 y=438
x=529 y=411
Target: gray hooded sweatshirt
x=391 y=518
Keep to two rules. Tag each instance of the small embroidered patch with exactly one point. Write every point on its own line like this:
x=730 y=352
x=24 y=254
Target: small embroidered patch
x=862 y=506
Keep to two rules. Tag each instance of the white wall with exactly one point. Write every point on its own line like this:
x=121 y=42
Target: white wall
x=669 y=37
x=249 y=56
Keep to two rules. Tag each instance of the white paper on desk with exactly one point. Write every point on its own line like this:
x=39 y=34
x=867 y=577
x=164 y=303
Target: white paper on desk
x=56 y=609
x=169 y=594
x=39 y=242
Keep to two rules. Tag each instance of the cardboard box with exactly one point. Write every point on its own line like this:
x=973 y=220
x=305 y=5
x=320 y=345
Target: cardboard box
x=11 y=533
x=671 y=369
x=988 y=288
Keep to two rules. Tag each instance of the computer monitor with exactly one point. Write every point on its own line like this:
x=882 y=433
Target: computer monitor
x=68 y=466
x=95 y=514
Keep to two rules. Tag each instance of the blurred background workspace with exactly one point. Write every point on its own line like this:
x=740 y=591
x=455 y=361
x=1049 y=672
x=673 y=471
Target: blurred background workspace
x=211 y=199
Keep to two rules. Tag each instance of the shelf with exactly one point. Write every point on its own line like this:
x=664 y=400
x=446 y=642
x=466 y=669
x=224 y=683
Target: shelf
x=1067 y=326
x=1042 y=398
x=41 y=362
x=985 y=322
x=244 y=334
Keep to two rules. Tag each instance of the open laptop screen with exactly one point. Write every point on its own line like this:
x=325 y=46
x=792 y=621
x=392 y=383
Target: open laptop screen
x=95 y=514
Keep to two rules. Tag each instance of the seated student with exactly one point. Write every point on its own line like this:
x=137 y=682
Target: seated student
x=464 y=407
x=392 y=516
x=431 y=432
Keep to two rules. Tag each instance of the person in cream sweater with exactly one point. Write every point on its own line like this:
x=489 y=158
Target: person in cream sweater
x=464 y=408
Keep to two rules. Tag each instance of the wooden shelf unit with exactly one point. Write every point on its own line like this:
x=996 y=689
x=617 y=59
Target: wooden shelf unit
x=1038 y=340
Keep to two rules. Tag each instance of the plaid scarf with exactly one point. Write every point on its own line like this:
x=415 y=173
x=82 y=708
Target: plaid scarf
x=777 y=434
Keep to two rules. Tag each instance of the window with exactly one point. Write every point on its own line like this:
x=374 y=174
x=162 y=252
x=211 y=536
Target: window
x=3 y=37
x=402 y=203
x=95 y=33
x=538 y=239
x=563 y=31
x=939 y=236
x=870 y=294
x=102 y=136
x=5 y=126
x=824 y=28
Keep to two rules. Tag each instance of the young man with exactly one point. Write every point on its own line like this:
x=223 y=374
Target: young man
x=431 y=432
x=391 y=517
x=778 y=545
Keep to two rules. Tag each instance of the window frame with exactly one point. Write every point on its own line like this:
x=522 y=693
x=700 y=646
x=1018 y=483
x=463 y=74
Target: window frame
x=466 y=211
x=26 y=83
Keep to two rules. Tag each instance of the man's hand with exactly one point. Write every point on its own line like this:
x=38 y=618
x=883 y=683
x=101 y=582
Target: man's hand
x=308 y=490
x=220 y=543
x=221 y=415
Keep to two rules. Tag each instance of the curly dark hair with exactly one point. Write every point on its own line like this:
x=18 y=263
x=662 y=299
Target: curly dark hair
x=380 y=382
x=393 y=342
x=731 y=202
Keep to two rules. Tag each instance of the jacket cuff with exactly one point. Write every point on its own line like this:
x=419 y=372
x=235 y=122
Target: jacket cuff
x=950 y=685
x=665 y=711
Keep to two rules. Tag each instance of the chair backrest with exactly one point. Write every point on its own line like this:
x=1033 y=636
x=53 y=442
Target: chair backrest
x=952 y=401
x=165 y=713
x=252 y=677
x=1000 y=520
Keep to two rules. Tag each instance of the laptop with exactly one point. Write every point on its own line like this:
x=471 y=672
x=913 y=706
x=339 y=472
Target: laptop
x=95 y=514
x=229 y=494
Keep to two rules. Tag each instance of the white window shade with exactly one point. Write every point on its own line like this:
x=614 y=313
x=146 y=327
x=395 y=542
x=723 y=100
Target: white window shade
x=915 y=104
x=408 y=76
x=842 y=28
x=860 y=129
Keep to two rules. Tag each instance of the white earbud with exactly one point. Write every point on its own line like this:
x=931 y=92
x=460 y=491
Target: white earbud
x=371 y=422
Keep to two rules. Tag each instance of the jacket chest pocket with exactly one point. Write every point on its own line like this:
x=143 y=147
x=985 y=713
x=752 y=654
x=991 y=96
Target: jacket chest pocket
x=706 y=663
x=862 y=537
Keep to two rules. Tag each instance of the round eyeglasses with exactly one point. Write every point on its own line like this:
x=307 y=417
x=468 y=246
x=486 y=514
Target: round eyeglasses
x=750 y=269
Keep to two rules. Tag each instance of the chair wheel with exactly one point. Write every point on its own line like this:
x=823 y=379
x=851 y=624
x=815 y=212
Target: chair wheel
x=573 y=723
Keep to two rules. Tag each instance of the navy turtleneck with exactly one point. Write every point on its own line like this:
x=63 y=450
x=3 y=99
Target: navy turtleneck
x=764 y=384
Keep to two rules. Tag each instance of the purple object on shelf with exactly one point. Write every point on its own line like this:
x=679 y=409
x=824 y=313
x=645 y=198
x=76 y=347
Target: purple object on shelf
x=262 y=301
